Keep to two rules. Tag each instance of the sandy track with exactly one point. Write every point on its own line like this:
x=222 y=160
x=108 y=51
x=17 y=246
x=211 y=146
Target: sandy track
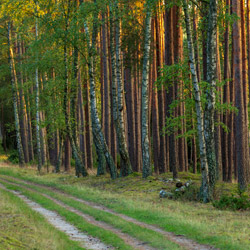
x=178 y=239
x=58 y=222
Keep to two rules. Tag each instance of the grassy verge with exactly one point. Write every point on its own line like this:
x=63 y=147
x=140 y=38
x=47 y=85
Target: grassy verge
x=22 y=228
x=203 y=223
x=104 y=235
x=153 y=238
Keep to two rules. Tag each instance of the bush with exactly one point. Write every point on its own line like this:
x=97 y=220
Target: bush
x=13 y=157
x=242 y=202
x=191 y=193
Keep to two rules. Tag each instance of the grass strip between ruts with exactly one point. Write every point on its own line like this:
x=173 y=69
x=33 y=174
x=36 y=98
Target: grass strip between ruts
x=23 y=228
x=153 y=238
x=105 y=236
x=180 y=218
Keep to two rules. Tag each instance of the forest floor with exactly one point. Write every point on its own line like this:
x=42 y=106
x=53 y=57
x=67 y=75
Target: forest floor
x=127 y=213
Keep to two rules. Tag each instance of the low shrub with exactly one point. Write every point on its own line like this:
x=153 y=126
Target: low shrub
x=233 y=202
x=13 y=157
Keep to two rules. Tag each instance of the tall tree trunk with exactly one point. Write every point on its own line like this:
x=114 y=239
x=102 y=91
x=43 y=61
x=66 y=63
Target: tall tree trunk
x=245 y=80
x=80 y=167
x=210 y=92
x=155 y=113
x=171 y=94
x=96 y=126
x=217 y=113
x=23 y=113
x=105 y=69
x=69 y=122
x=205 y=194
x=226 y=99
x=129 y=93
x=146 y=169
x=14 y=87
x=117 y=88
x=241 y=130
x=38 y=138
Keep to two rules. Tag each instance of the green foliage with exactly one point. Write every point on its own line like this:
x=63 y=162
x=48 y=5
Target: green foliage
x=179 y=74
x=13 y=157
x=233 y=202
x=191 y=193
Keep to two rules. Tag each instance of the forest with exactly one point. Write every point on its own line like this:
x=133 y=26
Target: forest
x=132 y=92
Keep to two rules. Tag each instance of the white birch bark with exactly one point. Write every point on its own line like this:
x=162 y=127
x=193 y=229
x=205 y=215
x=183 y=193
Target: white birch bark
x=118 y=88
x=15 y=98
x=96 y=125
x=210 y=92
x=38 y=139
x=146 y=167
x=205 y=194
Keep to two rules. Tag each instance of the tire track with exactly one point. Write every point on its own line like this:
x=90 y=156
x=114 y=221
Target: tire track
x=58 y=222
x=178 y=239
x=129 y=240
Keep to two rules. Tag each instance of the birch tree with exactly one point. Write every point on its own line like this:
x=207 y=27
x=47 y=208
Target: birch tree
x=118 y=87
x=210 y=91
x=96 y=125
x=38 y=139
x=146 y=167
x=14 y=87
x=205 y=194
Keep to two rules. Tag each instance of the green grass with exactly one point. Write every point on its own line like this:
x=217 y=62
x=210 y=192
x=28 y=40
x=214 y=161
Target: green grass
x=23 y=228
x=203 y=223
x=153 y=238
x=104 y=235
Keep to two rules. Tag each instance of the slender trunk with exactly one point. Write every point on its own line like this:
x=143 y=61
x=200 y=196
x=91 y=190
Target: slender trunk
x=205 y=194
x=146 y=167
x=117 y=89
x=96 y=126
x=38 y=138
x=245 y=80
x=14 y=97
x=155 y=113
x=23 y=113
x=226 y=99
x=105 y=69
x=241 y=130
x=210 y=92
x=171 y=94
x=129 y=93
x=218 y=115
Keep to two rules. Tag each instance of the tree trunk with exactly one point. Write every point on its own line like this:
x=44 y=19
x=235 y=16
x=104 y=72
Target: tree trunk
x=38 y=138
x=210 y=92
x=205 y=194
x=146 y=167
x=226 y=99
x=241 y=130
x=15 y=97
x=96 y=126
x=117 y=89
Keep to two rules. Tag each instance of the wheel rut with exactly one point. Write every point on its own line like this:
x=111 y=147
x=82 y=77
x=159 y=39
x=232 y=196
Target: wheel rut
x=129 y=240
x=58 y=222
x=178 y=239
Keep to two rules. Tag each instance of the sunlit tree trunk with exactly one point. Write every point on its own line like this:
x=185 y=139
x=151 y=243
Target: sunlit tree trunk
x=240 y=122
x=14 y=97
x=171 y=93
x=22 y=113
x=155 y=113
